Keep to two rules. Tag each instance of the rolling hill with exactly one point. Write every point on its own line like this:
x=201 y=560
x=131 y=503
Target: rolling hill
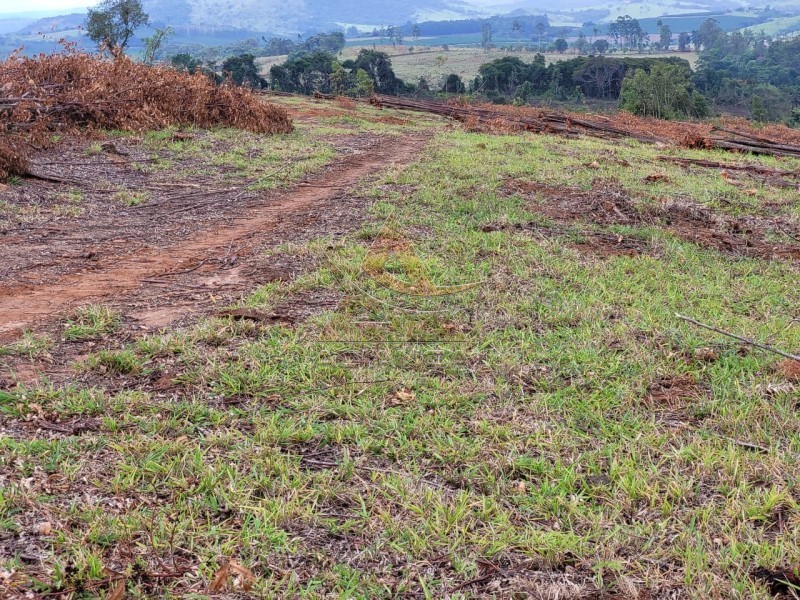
x=302 y=16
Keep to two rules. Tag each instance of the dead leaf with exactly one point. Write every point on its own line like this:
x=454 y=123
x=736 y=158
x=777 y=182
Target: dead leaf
x=730 y=179
x=773 y=389
x=706 y=355
x=405 y=395
x=751 y=192
x=654 y=177
x=401 y=397
x=220 y=578
x=43 y=528
x=244 y=576
x=118 y=591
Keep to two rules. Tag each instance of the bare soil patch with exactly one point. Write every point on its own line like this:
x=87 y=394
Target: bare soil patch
x=674 y=392
x=608 y=204
x=120 y=251
x=597 y=243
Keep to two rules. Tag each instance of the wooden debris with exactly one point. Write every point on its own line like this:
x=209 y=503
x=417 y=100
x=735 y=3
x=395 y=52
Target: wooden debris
x=740 y=338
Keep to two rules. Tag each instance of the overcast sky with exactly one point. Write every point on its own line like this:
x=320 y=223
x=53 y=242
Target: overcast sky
x=17 y=6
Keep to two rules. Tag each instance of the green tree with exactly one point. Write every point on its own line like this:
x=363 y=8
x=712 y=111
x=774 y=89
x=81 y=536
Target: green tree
x=453 y=85
x=243 y=71
x=378 y=66
x=582 y=44
x=540 y=29
x=708 y=34
x=415 y=33
x=523 y=94
x=560 y=45
x=600 y=46
x=684 y=39
x=486 y=36
x=629 y=30
x=185 y=62
x=665 y=93
x=364 y=85
x=665 y=37
x=153 y=43
x=338 y=78
x=113 y=23
x=516 y=29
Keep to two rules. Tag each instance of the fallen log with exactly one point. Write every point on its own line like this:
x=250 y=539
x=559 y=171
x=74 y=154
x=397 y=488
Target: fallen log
x=712 y=164
x=569 y=125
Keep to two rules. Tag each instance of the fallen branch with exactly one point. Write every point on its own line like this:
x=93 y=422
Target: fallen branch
x=749 y=445
x=740 y=338
x=712 y=164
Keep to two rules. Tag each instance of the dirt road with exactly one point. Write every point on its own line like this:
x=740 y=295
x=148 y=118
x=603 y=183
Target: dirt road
x=117 y=275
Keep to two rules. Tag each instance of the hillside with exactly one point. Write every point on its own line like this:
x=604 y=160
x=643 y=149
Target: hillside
x=391 y=354
x=293 y=16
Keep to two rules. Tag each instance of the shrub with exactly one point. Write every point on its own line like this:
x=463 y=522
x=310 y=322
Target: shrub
x=665 y=93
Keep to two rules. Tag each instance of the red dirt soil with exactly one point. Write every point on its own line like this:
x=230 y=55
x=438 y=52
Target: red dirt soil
x=117 y=275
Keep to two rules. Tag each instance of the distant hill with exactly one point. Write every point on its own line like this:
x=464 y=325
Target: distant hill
x=299 y=16
x=54 y=24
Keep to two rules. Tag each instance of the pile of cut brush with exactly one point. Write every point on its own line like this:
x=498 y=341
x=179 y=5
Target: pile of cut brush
x=74 y=90
x=737 y=136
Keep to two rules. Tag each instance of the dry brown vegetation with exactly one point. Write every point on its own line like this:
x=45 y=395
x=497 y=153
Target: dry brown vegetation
x=735 y=135
x=62 y=92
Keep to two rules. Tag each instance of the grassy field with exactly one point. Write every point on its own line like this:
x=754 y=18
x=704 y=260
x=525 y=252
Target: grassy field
x=435 y=64
x=547 y=427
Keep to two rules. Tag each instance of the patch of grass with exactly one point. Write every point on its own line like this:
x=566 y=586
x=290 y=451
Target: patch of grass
x=553 y=429
x=31 y=345
x=91 y=322
x=274 y=161
x=121 y=362
x=131 y=197
x=93 y=149
x=73 y=196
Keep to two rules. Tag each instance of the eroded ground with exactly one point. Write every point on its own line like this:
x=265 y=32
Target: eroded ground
x=429 y=363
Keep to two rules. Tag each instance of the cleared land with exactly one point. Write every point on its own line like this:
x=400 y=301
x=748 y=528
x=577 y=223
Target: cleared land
x=318 y=412
x=435 y=64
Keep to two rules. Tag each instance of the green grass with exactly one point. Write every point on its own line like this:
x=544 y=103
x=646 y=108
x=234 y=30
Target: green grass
x=131 y=197
x=90 y=322
x=505 y=436
x=93 y=149
x=31 y=345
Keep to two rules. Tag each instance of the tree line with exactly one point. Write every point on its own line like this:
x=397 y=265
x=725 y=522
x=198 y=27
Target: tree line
x=741 y=71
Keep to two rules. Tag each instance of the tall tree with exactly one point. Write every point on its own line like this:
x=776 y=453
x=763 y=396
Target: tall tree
x=486 y=36
x=113 y=22
x=540 y=28
x=516 y=28
x=708 y=34
x=629 y=30
x=665 y=36
x=415 y=33
x=153 y=43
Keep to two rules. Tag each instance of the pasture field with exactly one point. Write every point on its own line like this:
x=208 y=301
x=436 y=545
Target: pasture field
x=390 y=355
x=435 y=64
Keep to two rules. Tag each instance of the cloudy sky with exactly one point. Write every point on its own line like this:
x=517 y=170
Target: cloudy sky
x=15 y=6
